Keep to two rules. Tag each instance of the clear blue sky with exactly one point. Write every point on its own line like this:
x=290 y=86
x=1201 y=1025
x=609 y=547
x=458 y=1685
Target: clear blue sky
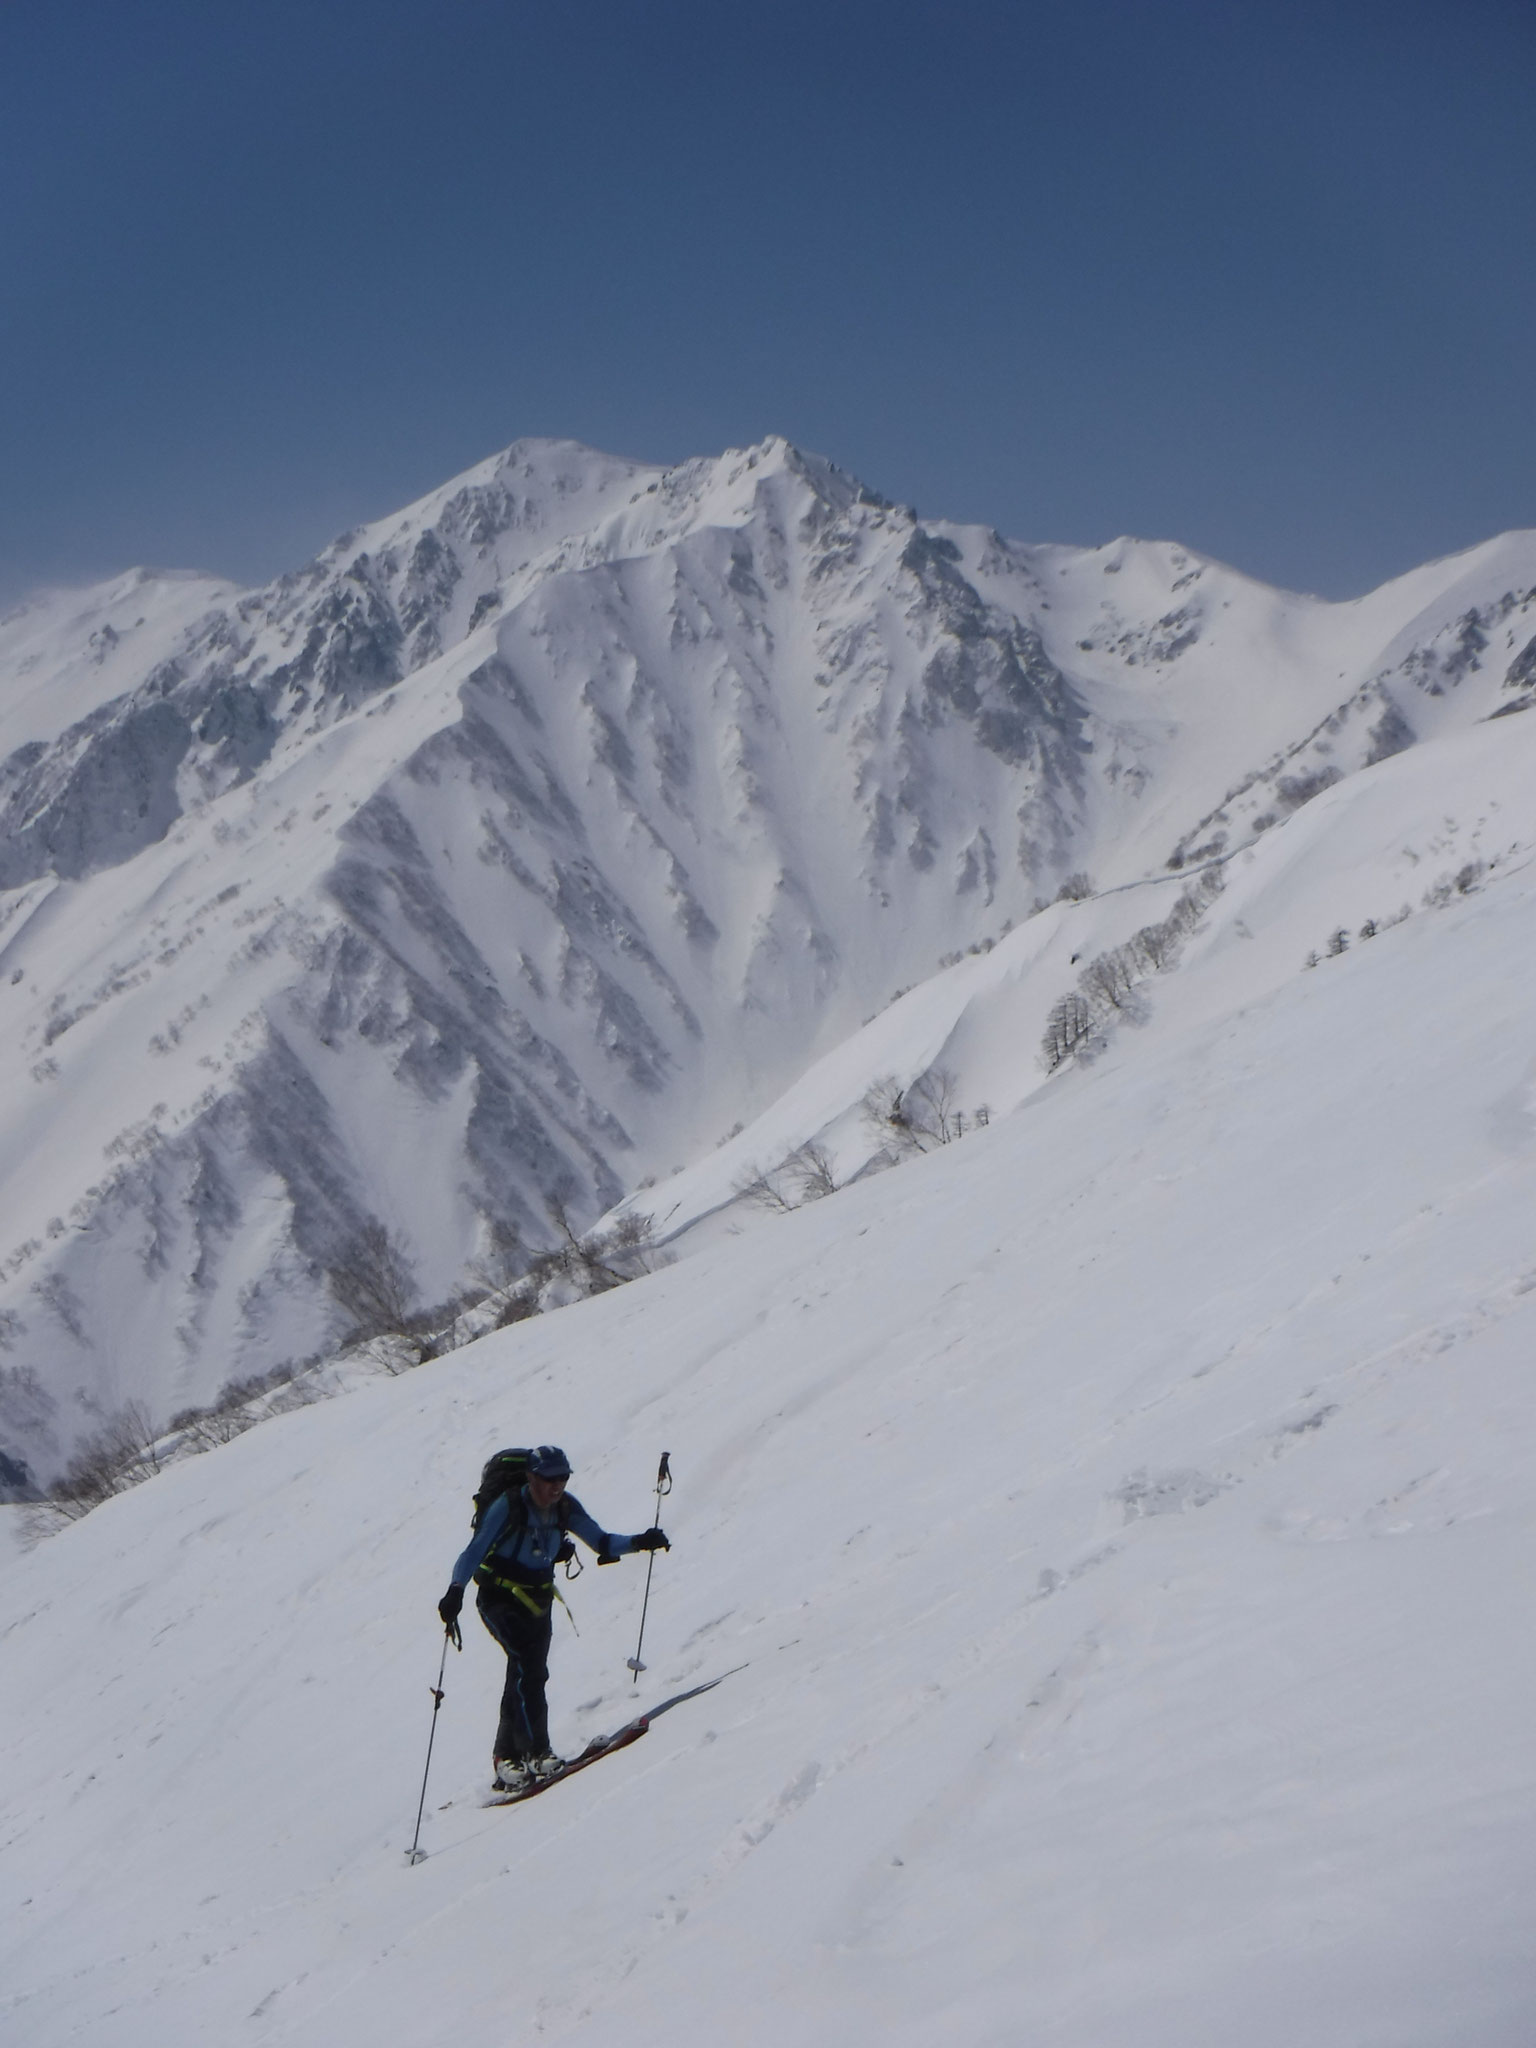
x=1260 y=277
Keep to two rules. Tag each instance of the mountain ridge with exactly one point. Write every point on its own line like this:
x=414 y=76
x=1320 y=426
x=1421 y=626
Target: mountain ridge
x=1118 y=1514
x=529 y=838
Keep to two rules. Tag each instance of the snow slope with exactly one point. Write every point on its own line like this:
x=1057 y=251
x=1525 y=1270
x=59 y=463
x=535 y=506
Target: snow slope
x=534 y=838
x=64 y=654
x=1123 y=1515
x=1398 y=840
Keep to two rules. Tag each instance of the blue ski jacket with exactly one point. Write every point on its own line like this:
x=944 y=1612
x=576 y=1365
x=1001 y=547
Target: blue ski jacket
x=540 y=1539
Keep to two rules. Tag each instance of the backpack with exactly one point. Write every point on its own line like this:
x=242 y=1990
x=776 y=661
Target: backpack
x=507 y=1472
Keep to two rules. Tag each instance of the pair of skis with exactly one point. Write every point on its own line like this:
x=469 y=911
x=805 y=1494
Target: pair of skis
x=605 y=1745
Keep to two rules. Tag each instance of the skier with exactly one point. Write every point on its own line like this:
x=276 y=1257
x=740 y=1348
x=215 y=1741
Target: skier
x=512 y=1557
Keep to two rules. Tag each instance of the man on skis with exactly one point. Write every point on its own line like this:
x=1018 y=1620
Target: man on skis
x=512 y=1556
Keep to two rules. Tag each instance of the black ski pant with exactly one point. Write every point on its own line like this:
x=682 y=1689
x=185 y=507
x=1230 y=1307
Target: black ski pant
x=523 y=1730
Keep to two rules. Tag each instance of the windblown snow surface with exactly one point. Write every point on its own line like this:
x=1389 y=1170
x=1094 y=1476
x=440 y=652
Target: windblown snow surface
x=1123 y=1516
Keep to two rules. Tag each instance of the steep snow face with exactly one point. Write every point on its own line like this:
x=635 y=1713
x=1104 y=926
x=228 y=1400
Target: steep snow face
x=215 y=695
x=1273 y=696
x=66 y=653
x=1403 y=841
x=84 y=779
x=1124 y=1518
x=531 y=839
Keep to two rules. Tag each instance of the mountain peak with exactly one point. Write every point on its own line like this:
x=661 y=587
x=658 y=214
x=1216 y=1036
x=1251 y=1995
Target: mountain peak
x=559 y=820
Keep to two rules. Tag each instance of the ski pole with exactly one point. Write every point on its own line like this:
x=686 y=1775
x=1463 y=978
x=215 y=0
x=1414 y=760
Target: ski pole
x=663 y=1487
x=415 y=1854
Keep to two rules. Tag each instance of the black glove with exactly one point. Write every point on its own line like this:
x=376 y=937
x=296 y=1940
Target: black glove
x=652 y=1539
x=449 y=1607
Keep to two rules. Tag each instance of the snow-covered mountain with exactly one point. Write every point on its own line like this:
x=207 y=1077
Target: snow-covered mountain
x=1123 y=1517
x=534 y=839
x=1120 y=1517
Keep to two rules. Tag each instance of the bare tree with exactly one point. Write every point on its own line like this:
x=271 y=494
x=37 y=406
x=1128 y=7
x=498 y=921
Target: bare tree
x=204 y=1429
x=241 y=1403
x=121 y=1454
x=1154 y=946
x=931 y=1109
x=1067 y=1029
x=502 y=1270
x=598 y=1262
x=517 y=1306
x=373 y=1283
x=631 y=1248
x=503 y=1261
x=1109 y=979
x=760 y=1186
x=883 y=1113
x=918 y=1117
x=813 y=1171
x=802 y=1176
